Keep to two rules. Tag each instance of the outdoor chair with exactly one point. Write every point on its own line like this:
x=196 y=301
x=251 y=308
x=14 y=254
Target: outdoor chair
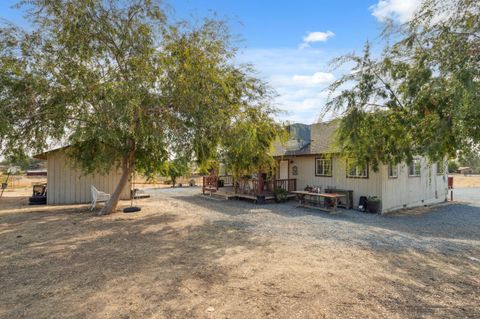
x=98 y=196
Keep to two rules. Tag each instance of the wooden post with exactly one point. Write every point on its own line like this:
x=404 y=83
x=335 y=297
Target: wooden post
x=260 y=183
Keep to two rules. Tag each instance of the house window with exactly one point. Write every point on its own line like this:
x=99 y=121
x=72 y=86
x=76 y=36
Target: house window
x=414 y=168
x=323 y=166
x=440 y=168
x=356 y=171
x=392 y=171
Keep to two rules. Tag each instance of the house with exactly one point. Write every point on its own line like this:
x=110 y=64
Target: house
x=69 y=185
x=315 y=162
x=465 y=170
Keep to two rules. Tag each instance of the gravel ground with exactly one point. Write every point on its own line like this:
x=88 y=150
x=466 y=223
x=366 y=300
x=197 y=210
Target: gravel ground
x=452 y=227
x=468 y=195
x=186 y=256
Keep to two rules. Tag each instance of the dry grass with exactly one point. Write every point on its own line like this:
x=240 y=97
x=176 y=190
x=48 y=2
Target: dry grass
x=461 y=181
x=21 y=181
x=179 y=259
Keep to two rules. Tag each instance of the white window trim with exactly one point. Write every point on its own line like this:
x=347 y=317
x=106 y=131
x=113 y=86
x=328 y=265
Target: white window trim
x=358 y=169
x=325 y=159
x=419 y=171
x=396 y=171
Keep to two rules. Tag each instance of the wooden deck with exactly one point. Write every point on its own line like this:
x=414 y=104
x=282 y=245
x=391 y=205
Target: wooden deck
x=228 y=192
x=257 y=189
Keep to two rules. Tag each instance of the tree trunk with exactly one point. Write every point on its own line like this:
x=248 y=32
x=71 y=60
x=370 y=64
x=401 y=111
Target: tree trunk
x=111 y=205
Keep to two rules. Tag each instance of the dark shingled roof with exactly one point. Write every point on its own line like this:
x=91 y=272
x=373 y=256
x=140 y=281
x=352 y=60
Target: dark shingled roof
x=321 y=141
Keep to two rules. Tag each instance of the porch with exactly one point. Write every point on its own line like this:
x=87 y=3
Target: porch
x=257 y=189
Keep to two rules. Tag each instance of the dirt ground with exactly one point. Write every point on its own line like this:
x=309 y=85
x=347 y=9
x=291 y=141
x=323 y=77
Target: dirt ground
x=184 y=256
x=461 y=181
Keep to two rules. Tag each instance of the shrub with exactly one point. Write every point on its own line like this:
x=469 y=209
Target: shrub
x=280 y=195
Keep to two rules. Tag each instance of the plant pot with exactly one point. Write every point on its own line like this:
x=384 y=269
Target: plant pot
x=261 y=199
x=374 y=207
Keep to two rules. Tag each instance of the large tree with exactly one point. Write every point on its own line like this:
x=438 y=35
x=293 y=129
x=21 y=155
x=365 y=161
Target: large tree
x=422 y=96
x=116 y=81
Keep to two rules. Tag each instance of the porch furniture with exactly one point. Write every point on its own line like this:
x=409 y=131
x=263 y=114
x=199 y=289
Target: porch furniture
x=347 y=201
x=98 y=196
x=210 y=184
x=323 y=201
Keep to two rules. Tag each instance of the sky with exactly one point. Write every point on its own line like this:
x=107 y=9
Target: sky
x=290 y=43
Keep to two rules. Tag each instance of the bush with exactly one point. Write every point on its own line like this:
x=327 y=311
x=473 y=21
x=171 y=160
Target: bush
x=280 y=195
x=452 y=166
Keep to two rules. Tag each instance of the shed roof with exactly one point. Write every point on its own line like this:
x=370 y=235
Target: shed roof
x=43 y=156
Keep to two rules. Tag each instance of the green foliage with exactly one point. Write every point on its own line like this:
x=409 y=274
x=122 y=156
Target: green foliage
x=249 y=141
x=23 y=162
x=115 y=80
x=421 y=97
x=281 y=195
x=470 y=159
x=452 y=166
x=174 y=169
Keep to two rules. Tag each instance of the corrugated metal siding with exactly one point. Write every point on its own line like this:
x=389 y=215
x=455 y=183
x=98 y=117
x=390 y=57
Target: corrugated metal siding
x=410 y=191
x=68 y=185
x=371 y=186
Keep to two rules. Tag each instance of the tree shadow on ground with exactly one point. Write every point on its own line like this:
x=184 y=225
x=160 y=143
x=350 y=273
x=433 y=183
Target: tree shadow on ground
x=426 y=285
x=452 y=222
x=73 y=264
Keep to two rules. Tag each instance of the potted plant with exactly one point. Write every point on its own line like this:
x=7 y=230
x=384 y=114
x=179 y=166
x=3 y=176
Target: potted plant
x=281 y=195
x=374 y=204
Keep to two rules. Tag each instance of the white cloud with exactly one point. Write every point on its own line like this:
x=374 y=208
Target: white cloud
x=315 y=79
x=397 y=10
x=315 y=37
x=298 y=76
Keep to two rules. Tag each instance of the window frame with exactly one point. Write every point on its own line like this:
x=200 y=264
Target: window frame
x=390 y=176
x=439 y=164
x=419 y=168
x=325 y=159
x=366 y=169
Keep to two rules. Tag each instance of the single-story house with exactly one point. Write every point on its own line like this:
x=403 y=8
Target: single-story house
x=465 y=170
x=67 y=184
x=310 y=158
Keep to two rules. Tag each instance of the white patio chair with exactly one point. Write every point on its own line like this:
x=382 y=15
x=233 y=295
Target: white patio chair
x=98 y=196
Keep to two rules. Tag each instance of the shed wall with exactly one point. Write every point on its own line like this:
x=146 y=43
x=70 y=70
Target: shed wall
x=68 y=185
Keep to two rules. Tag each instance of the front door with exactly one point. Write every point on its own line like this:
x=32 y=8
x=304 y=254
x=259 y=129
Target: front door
x=283 y=174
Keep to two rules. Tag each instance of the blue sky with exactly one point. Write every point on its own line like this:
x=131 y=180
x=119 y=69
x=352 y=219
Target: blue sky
x=291 y=42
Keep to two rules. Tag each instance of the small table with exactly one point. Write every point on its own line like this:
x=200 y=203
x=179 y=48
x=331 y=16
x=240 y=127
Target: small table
x=305 y=199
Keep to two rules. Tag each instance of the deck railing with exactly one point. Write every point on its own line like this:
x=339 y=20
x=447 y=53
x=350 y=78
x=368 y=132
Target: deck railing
x=227 y=179
x=250 y=186
x=289 y=185
x=269 y=186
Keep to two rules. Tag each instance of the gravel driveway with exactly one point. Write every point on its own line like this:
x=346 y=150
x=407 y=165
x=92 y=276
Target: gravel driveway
x=187 y=256
x=469 y=195
x=451 y=227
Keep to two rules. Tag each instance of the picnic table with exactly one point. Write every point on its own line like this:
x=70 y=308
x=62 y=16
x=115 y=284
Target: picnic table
x=323 y=201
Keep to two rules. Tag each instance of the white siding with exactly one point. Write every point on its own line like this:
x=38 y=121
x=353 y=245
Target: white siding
x=371 y=186
x=403 y=191
x=411 y=191
x=68 y=185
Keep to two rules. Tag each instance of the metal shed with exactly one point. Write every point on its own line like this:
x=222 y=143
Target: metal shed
x=69 y=185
